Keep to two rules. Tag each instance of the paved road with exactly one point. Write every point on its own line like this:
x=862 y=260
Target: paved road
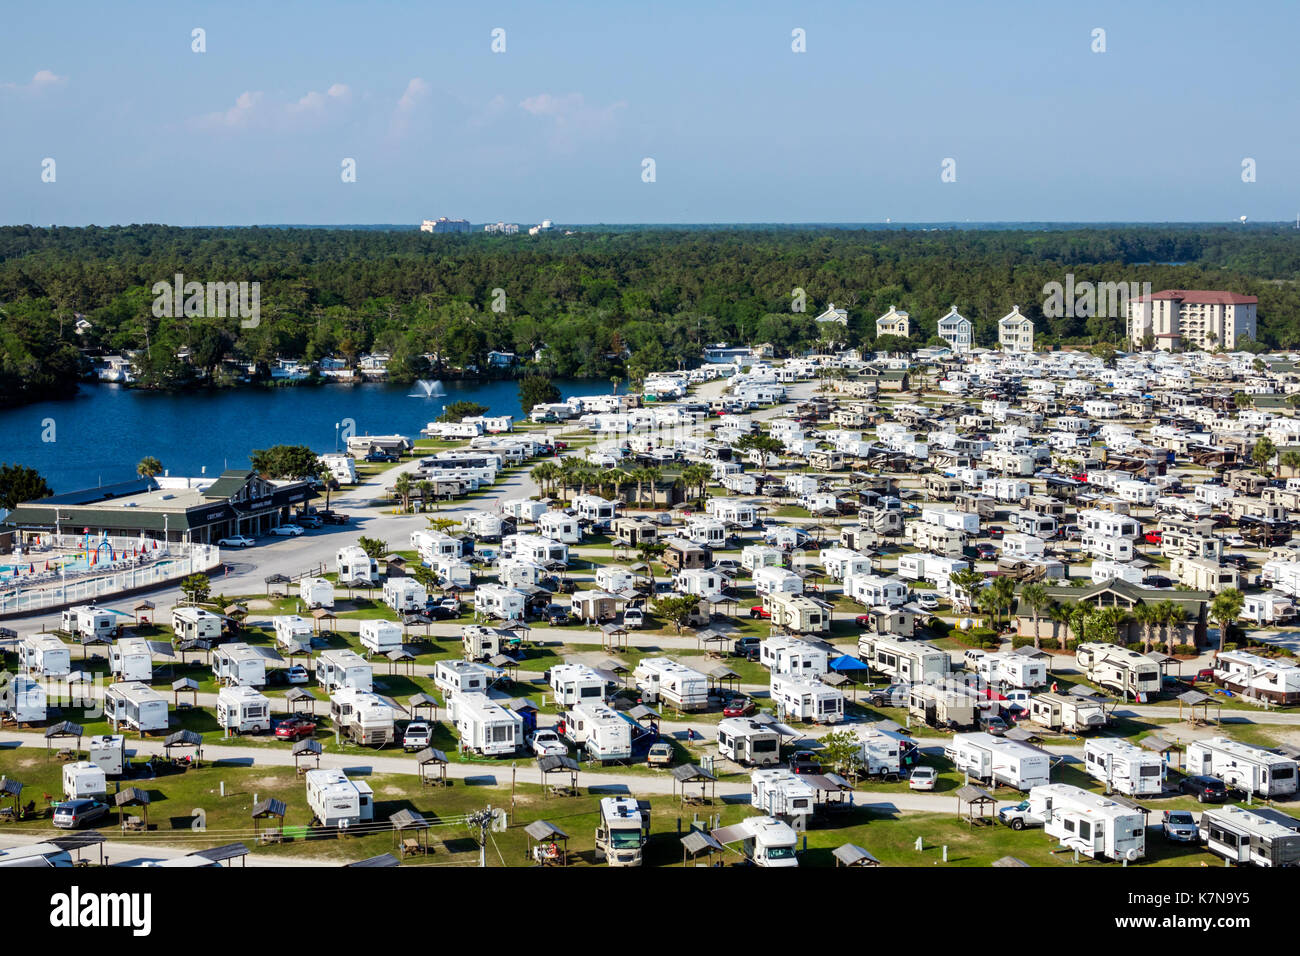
x=128 y=853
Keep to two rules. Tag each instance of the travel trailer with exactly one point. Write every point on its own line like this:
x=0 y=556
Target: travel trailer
x=23 y=701
x=353 y=564
x=379 y=636
x=316 y=592
x=1068 y=713
x=881 y=753
x=576 y=683
x=1118 y=669
x=600 y=730
x=938 y=706
x=240 y=663
x=479 y=643
x=1246 y=767
x=661 y=678
x=1093 y=825
x=797 y=613
x=90 y=622
x=1276 y=680
x=1124 y=766
x=910 y=662
x=292 y=632
x=765 y=841
x=108 y=753
x=337 y=801
x=243 y=710
x=1247 y=837
x=623 y=830
x=806 y=699
x=405 y=595
x=793 y=657
x=342 y=667
x=195 y=624
x=783 y=794
x=748 y=742
x=83 y=779
x=776 y=580
x=363 y=717
x=131 y=659
x=502 y=603
x=44 y=655
x=1013 y=670
x=485 y=726
x=996 y=760
x=462 y=677
x=137 y=706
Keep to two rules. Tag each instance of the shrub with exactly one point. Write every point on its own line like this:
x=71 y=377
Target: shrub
x=1230 y=646
x=1050 y=644
x=1186 y=650
x=1135 y=646
x=1072 y=644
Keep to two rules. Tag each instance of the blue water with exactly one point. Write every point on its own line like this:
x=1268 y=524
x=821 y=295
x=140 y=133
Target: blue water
x=102 y=434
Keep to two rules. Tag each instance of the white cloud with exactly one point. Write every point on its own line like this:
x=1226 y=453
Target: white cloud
x=416 y=90
x=316 y=102
x=238 y=116
x=41 y=80
x=571 y=118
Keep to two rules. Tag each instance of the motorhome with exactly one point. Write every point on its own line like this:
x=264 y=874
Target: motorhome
x=910 y=662
x=1124 y=766
x=485 y=726
x=90 y=622
x=83 y=779
x=806 y=699
x=783 y=794
x=793 y=657
x=600 y=730
x=363 y=717
x=243 y=710
x=195 y=624
x=623 y=830
x=797 y=613
x=342 y=667
x=748 y=742
x=1247 y=837
x=379 y=636
x=1068 y=713
x=136 y=705
x=353 y=564
x=108 y=753
x=661 y=678
x=24 y=700
x=1091 y=824
x=44 y=655
x=1013 y=670
x=575 y=683
x=996 y=760
x=1118 y=669
x=292 y=632
x=336 y=801
x=1276 y=680
x=131 y=658
x=946 y=707
x=405 y=595
x=1246 y=767
x=462 y=677
x=765 y=841
x=316 y=592
x=240 y=663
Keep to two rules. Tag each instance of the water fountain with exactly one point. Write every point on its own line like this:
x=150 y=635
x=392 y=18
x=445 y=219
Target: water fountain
x=428 y=389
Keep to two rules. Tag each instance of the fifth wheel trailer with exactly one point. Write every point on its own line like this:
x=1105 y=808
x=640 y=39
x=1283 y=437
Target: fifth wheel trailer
x=1118 y=669
x=1124 y=766
x=1250 y=769
x=1247 y=838
x=1067 y=712
x=363 y=717
x=997 y=760
x=1089 y=823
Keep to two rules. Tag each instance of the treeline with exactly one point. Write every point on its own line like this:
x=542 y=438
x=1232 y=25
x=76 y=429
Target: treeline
x=590 y=305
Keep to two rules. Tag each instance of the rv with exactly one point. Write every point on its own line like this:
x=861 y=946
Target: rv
x=405 y=595
x=748 y=742
x=1248 y=768
x=316 y=592
x=293 y=632
x=784 y=795
x=1263 y=678
x=600 y=730
x=911 y=662
x=480 y=643
x=797 y=613
x=1093 y=825
x=1014 y=670
x=1249 y=838
x=495 y=601
x=131 y=659
x=1067 y=713
x=239 y=663
x=90 y=622
x=793 y=657
x=462 y=677
x=336 y=801
x=1118 y=669
x=108 y=753
x=343 y=668
x=776 y=580
x=765 y=841
x=1124 y=766
x=379 y=636
x=23 y=701
x=135 y=705
x=881 y=753
x=623 y=830
x=243 y=710
x=937 y=706
x=576 y=683
x=44 y=655
x=83 y=779
x=996 y=760
x=809 y=700
x=663 y=678
x=353 y=564
x=363 y=717
x=485 y=726
x=195 y=624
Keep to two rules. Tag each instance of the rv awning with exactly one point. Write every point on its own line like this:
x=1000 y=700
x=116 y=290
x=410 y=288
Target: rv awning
x=836 y=680
x=1156 y=743
x=392 y=703
x=827 y=782
x=1079 y=690
x=850 y=854
x=542 y=830
x=734 y=833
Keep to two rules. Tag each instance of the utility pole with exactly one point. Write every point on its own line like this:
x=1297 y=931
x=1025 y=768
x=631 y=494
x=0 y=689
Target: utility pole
x=481 y=819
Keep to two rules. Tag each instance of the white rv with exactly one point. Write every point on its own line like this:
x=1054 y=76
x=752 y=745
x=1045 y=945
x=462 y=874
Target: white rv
x=316 y=592
x=1246 y=767
x=783 y=794
x=479 y=642
x=1250 y=838
x=805 y=699
x=462 y=677
x=379 y=636
x=337 y=801
x=1015 y=670
x=1266 y=678
x=1093 y=825
x=600 y=730
x=135 y=705
x=793 y=657
x=950 y=707
x=293 y=632
x=131 y=659
x=910 y=662
x=748 y=742
x=44 y=655
x=353 y=564
x=405 y=595
x=1118 y=669
x=502 y=603
x=83 y=779
x=1067 y=712
x=89 y=622
x=1124 y=766
x=881 y=753
x=485 y=726
x=194 y=624
x=996 y=760
x=24 y=701
x=108 y=753
x=243 y=710
x=797 y=613
x=365 y=718
x=765 y=841
x=343 y=667
x=622 y=832
x=239 y=663
x=576 y=683
x=663 y=678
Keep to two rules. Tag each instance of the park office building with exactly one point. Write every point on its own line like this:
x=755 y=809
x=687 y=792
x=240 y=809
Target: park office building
x=238 y=502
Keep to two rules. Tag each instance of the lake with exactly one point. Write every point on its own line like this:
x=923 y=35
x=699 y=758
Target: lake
x=100 y=436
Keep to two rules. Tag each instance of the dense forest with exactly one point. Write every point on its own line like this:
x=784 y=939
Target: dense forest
x=596 y=303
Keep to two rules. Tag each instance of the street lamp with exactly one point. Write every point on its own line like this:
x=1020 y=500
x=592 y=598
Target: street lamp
x=336 y=435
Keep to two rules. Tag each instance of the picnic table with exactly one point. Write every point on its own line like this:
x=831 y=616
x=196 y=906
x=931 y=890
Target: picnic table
x=66 y=753
x=411 y=845
x=133 y=823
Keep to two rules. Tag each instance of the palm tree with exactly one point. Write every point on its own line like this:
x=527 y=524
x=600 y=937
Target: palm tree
x=545 y=474
x=1224 y=611
x=425 y=487
x=1079 y=616
x=1147 y=617
x=149 y=467
x=1033 y=597
x=652 y=477
x=966 y=581
x=402 y=488
x=1059 y=615
x=697 y=477
x=1290 y=460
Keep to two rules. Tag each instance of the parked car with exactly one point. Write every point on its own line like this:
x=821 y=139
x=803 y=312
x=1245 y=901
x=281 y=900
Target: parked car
x=235 y=541
x=660 y=755
x=1179 y=826
x=418 y=735
x=927 y=602
x=544 y=743
x=994 y=725
x=380 y=456
x=893 y=695
x=557 y=615
x=727 y=566
x=1158 y=581
x=1238 y=561
x=922 y=778
x=1152 y=537
x=333 y=517
x=805 y=761
x=996 y=532
x=758 y=611
x=985 y=552
x=1205 y=789
x=308 y=521
x=440 y=612
x=295 y=728
x=287 y=530
x=72 y=814
x=633 y=618
x=1017 y=816
x=746 y=647
x=297 y=674
x=739 y=707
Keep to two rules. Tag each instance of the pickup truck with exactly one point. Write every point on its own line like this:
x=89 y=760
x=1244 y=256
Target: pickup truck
x=1018 y=816
x=547 y=742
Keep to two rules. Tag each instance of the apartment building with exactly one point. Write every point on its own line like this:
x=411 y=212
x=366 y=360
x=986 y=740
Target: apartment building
x=1191 y=319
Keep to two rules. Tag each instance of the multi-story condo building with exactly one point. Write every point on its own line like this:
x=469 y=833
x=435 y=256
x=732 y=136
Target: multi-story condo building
x=1191 y=319
x=443 y=224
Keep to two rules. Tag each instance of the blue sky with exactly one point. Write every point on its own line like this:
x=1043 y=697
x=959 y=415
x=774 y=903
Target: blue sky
x=741 y=128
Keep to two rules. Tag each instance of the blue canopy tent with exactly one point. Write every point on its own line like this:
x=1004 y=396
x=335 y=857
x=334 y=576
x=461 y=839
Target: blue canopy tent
x=850 y=668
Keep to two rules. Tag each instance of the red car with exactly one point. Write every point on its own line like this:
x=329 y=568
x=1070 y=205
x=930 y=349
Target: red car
x=862 y=620
x=738 y=707
x=295 y=728
x=1152 y=537
x=759 y=611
